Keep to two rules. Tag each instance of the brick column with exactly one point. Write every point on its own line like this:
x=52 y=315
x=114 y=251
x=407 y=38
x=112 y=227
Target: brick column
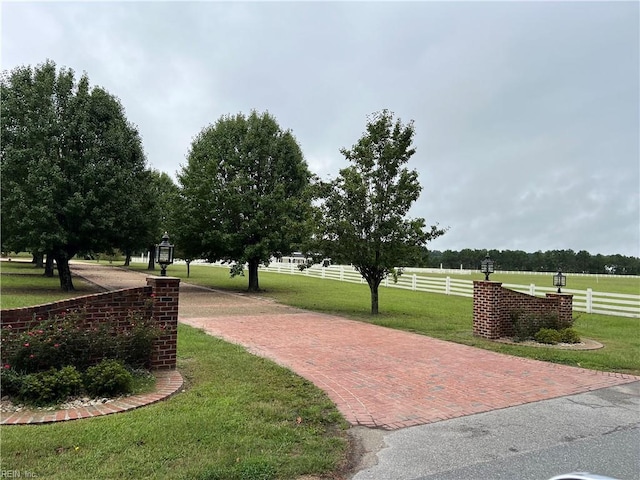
x=165 y=292
x=565 y=308
x=486 y=309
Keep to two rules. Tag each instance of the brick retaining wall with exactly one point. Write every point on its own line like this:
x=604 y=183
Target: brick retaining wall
x=493 y=306
x=157 y=301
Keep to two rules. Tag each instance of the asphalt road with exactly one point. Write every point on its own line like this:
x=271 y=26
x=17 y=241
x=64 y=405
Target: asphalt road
x=598 y=431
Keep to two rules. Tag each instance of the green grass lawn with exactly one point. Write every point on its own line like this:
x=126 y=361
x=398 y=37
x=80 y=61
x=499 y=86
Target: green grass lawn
x=21 y=284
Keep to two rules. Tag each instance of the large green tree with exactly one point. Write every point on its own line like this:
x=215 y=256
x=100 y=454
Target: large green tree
x=363 y=216
x=72 y=166
x=244 y=193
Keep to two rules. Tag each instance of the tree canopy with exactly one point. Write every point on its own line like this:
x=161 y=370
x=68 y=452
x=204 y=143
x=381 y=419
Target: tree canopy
x=244 y=193
x=73 y=167
x=363 y=214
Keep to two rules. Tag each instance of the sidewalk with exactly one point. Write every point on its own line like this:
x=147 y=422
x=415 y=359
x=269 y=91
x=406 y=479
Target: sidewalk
x=377 y=377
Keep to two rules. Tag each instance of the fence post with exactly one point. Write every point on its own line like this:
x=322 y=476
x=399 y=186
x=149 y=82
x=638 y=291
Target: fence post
x=589 y=300
x=532 y=289
x=341 y=273
x=447 y=286
x=414 y=282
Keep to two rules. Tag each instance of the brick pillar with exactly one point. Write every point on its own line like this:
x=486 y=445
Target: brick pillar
x=486 y=309
x=564 y=308
x=165 y=292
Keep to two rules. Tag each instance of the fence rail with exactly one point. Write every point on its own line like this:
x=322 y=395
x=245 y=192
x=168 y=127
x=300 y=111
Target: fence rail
x=588 y=301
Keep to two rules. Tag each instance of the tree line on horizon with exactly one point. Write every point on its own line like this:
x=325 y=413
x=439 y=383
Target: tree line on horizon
x=568 y=261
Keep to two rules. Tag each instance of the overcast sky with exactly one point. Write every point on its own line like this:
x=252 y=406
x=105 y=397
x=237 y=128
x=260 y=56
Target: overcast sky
x=526 y=113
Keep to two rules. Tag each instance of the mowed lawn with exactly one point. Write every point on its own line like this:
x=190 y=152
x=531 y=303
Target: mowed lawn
x=21 y=284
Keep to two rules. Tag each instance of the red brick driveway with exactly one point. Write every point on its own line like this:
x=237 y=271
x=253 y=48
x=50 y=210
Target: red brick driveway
x=379 y=377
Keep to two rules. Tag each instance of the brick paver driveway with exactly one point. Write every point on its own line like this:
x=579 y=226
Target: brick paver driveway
x=379 y=377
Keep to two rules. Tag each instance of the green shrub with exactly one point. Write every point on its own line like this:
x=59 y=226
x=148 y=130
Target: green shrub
x=547 y=335
x=569 y=335
x=50 y=386
x=10 y=381
x=69 y=339
x=108 y=378
x=68 y=382
x=42 y=365
x=526 y=325
x=136 y=344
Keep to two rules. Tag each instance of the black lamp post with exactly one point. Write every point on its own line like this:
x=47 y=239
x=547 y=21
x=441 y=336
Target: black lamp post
x=164 y=254
x=559 y=280
x=486 y=267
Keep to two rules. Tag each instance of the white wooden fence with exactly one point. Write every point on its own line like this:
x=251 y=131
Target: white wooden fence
x=588 y=301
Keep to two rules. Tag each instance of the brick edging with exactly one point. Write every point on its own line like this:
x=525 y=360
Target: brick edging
x=168 y=382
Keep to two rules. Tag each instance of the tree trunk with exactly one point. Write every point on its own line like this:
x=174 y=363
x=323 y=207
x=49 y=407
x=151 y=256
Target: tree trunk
x=373 y=278
x=374 y=298
x=253 y=275
x=188 y=262
x=48 y=266
x=127 y=259
x=152 y=258
x=38 y=259
x=64 y=272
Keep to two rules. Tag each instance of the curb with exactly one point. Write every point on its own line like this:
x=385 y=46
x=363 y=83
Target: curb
x=168 y=382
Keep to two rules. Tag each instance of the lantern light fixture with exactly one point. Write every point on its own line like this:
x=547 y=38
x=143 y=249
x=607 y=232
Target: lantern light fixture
x=164 y=254
x=486 y=267
x=559 y=280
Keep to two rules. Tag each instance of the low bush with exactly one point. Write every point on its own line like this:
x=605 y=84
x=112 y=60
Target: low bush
x=526 y=325
x=50 y=386
x=108 y=378
x=10 y=381
x=569 y=335
x=547 y=335
x=59 y=357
